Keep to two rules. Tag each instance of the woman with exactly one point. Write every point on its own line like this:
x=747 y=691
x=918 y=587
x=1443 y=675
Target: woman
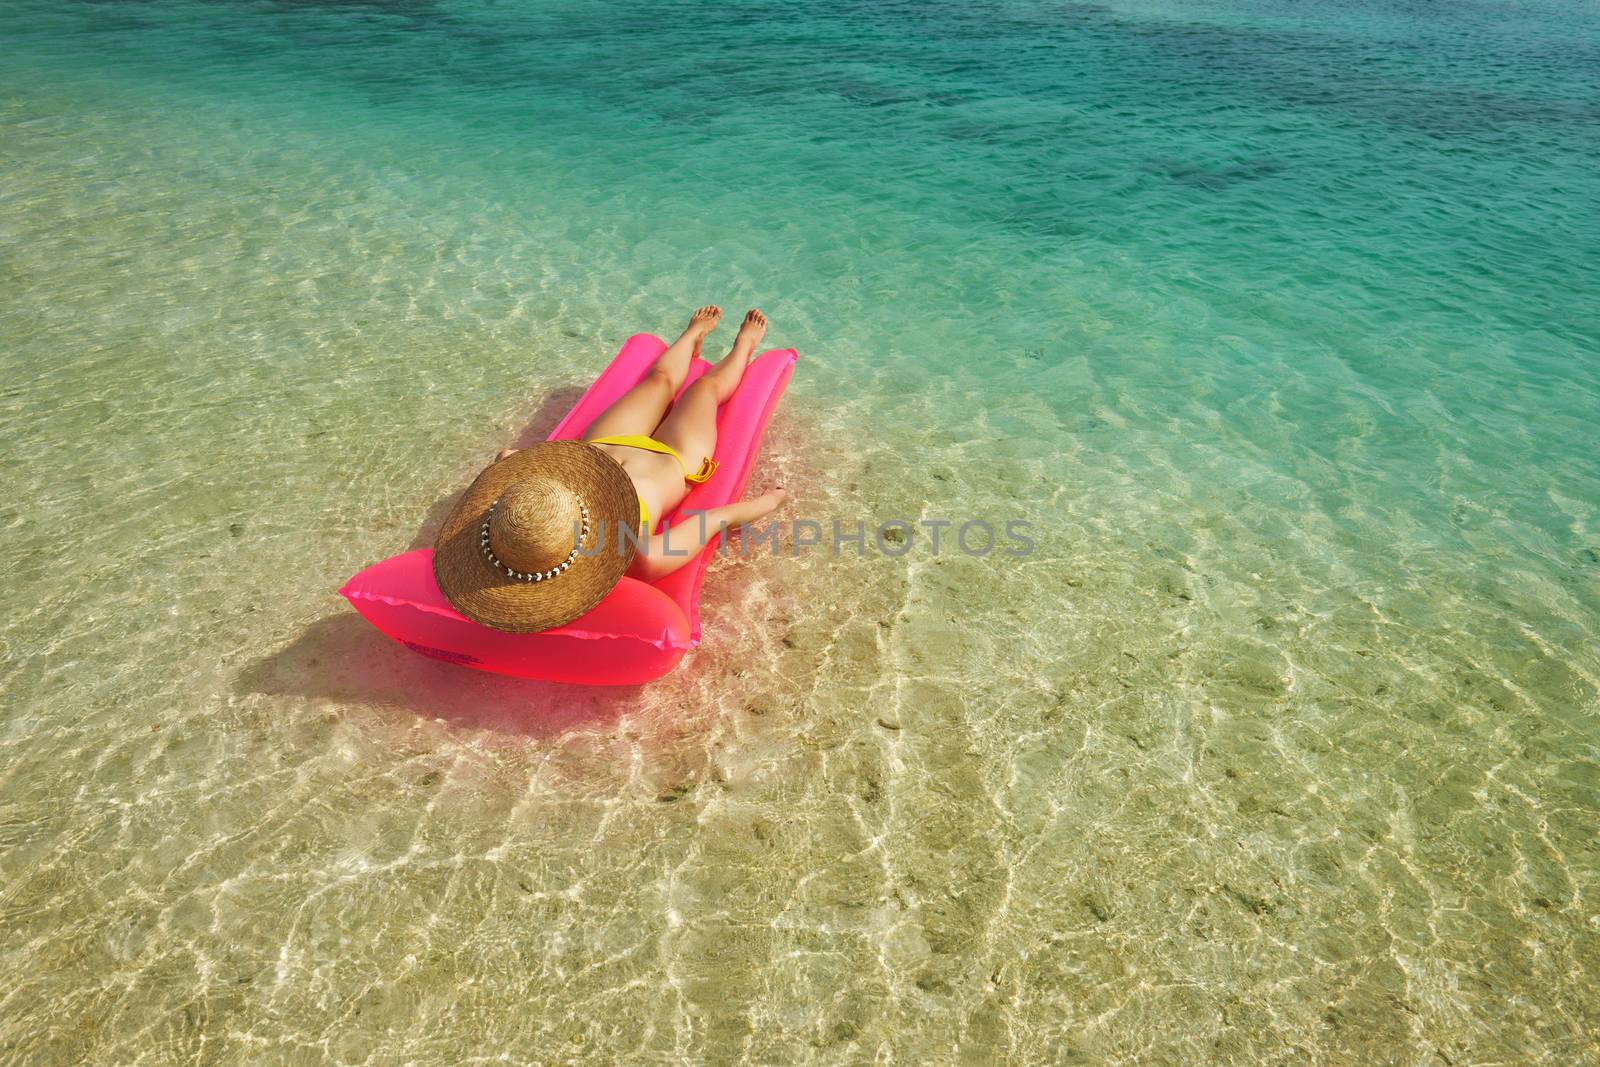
x=545 y=532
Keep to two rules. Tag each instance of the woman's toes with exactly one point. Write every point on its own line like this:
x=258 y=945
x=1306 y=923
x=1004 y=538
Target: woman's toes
x=754 y=327
x=705 y=319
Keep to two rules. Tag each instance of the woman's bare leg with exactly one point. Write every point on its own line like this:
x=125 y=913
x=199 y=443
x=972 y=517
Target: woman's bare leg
x=691 y=426
x=641 y=408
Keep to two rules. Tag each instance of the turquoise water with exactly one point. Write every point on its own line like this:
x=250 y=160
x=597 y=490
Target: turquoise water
x=1282 y=321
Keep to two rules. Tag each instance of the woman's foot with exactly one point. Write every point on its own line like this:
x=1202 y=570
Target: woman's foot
x=724 y=377
x=751 y=331
x=504 y=452
x=702 y=322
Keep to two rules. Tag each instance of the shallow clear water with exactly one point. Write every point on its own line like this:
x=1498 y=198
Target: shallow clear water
x=1281 y=321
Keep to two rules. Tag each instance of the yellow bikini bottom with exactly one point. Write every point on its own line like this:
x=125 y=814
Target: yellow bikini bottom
x=708 y=466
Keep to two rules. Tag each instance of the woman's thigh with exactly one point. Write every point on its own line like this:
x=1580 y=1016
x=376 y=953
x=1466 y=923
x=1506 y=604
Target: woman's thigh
x=636 y=412
x=691 y=425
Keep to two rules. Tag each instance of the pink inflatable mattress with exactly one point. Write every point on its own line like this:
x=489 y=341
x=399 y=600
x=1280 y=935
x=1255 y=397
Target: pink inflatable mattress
x=640 y=630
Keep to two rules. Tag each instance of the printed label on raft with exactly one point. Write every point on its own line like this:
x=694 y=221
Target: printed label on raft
x=461 y=659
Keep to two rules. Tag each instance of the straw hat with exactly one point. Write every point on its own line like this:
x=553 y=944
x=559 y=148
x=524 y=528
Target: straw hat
x=506 y=557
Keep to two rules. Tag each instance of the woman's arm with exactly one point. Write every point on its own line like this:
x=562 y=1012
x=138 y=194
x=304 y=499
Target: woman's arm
x=670 y=549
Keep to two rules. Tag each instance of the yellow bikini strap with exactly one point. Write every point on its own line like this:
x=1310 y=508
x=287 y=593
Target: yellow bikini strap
x=635 y=440
x=708 y=467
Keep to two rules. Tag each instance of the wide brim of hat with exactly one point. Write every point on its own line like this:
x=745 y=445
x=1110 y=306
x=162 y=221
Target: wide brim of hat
x=488 y=596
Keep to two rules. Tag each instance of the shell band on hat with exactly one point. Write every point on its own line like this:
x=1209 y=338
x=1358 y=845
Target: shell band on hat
x=536 y=576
